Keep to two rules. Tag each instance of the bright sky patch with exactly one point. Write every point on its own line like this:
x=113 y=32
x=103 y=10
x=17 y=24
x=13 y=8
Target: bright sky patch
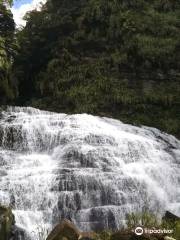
x=21 y=7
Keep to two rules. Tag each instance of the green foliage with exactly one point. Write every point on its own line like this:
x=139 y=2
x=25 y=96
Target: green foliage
x=144 y=219
x=177 y=230
x=174 y=225
x=113 y=58
x=6 y=2
x=151 y=221
x=6 y=52
x=105 y=235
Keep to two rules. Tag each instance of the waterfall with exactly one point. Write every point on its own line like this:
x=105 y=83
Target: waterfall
x=85 y=168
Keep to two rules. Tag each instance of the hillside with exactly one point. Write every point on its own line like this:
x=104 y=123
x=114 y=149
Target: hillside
x=111 y=58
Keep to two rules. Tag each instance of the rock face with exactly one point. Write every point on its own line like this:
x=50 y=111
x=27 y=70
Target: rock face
x=87 y=236
x=66 y=230
x=18 y=234
x=170 y=217
x=6 y=223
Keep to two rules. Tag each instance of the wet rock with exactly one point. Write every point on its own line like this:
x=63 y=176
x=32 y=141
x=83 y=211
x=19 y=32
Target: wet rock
x=100 y=218
x=65 y=230
x=11 y=118
x=6 y=223
x=100 y=140
x=2 y=173
x=18 y=234
x=1 y=114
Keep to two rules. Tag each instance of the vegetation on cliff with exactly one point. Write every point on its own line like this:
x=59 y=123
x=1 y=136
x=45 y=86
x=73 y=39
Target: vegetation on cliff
x=112 y=58
x=7 y=28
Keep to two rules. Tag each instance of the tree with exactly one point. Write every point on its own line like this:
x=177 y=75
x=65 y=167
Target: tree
x=7 y=28
x=116 y=58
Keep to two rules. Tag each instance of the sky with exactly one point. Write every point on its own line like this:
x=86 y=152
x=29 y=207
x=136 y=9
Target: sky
x=18 y=3
x=20 y=8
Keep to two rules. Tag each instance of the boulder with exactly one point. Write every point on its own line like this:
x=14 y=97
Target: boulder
x=6 y=223
x=65 y=230
x=170 y=217
x=87 y=236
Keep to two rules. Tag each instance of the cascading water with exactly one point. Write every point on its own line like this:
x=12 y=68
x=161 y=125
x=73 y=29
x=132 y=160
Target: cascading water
x=88 y=169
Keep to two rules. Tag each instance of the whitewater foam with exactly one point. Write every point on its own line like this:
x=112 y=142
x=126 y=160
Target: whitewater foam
x=88 y=169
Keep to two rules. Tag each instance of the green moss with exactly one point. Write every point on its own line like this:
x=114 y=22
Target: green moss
x=6 y=222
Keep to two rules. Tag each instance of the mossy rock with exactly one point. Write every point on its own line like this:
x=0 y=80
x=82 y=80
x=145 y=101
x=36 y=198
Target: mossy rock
x=6 y=222
x=170 y=217
x=66 y=230
x=88 y=236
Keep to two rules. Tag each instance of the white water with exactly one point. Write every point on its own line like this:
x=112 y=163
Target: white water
x=89 y=169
